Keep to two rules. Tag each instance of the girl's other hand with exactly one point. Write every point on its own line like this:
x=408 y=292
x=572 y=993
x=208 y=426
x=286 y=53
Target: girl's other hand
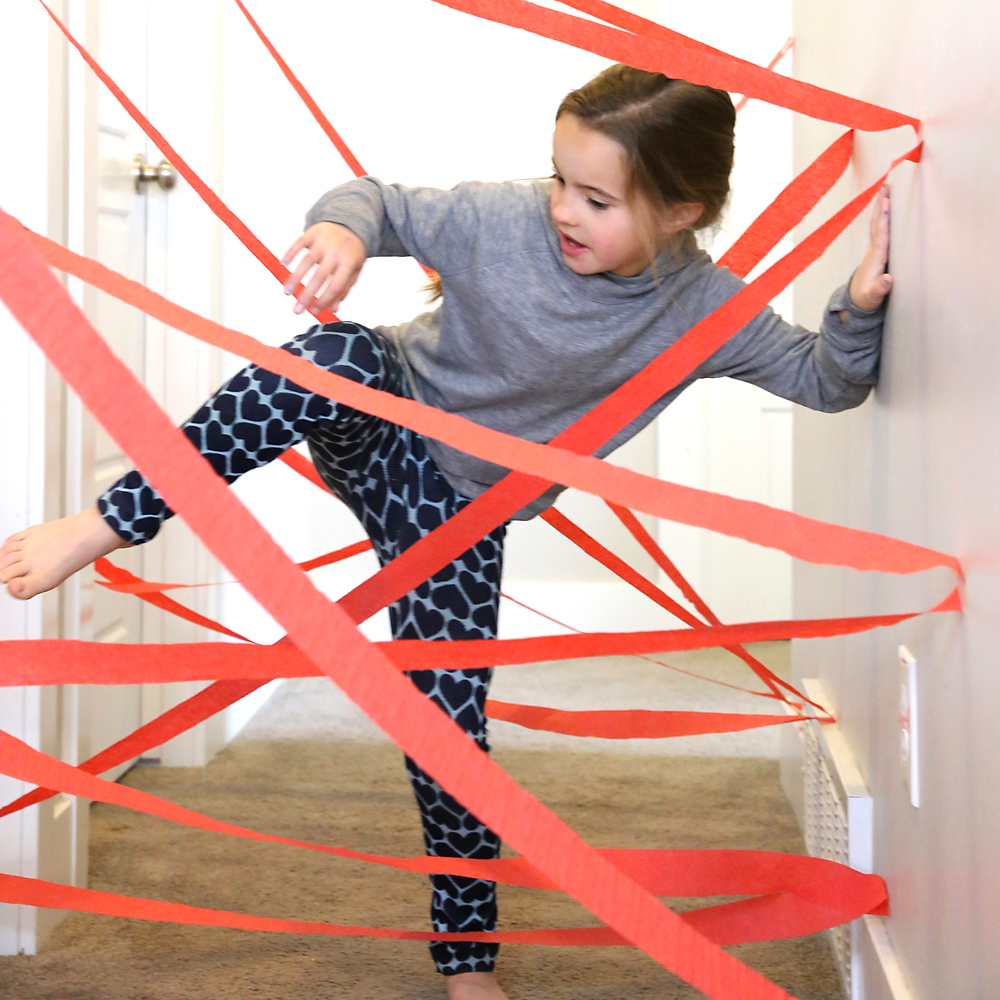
x=335 y=256
x=870 y=284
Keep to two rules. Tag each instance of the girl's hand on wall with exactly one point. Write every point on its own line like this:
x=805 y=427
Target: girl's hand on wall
x=335 y=256
x=870 y=284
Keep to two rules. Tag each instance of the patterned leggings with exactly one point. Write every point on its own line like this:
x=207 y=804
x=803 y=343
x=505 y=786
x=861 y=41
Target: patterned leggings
x=384 y=474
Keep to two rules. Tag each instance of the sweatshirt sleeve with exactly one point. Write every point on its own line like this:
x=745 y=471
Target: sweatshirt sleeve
x=441 y=229
x=831 y=370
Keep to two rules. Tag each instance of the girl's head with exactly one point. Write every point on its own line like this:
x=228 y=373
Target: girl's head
x=638 y=157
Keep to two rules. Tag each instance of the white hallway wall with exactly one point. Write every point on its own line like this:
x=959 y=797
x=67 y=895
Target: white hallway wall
x=425 y=95
x=918 y=461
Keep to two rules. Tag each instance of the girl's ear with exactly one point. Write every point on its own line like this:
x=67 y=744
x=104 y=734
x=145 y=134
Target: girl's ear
x=682 y=215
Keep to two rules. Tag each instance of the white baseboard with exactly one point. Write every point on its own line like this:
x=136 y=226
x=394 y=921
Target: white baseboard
x=881 y=973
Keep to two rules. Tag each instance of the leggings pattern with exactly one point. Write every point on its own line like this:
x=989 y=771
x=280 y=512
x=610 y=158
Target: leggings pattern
x=385 y=475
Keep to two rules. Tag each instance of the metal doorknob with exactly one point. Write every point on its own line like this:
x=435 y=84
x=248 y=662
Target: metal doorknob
x=144 y=173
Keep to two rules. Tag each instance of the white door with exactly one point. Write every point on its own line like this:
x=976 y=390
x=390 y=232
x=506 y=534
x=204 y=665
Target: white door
x=158 y=236
x=119 y=227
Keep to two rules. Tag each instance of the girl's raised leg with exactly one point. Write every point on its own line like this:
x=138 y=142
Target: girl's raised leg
x=387 y=478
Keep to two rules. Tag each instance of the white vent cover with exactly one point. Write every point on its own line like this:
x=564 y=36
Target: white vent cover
x=837 y=818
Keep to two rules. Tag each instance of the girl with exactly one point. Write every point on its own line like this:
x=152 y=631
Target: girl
x=554 y=294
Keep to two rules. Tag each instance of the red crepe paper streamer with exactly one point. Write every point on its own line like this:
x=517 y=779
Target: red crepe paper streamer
x=631 y=724
x=70 y=661
x=650 y=29
x=129 y=584
x=300 y=464
x=789 y=917
x=795 y=202
x=661 y=872
x=45 y=662
x=787 y=47
x=648 y=659
x=621 y=569
x=838 y=892
x=679 y=60
x=314 y=109
x=118 y=576
x=768 y=676
x=165 y=727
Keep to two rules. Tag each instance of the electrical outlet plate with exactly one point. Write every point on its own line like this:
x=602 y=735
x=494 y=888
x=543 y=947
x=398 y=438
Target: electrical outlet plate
x=909 y=744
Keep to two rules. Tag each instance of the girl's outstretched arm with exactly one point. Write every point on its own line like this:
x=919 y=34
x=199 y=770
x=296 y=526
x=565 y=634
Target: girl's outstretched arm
x=41 y=557
x=832 y=369
x=246 y=424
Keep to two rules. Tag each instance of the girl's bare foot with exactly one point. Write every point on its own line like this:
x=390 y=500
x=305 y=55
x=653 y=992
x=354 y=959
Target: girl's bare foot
x=41 y=557
x=475 y=986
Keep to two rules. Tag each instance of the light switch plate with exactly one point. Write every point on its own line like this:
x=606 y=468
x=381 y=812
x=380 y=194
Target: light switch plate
x=909 y=731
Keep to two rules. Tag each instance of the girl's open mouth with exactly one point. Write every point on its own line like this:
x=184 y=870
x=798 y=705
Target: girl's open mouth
x=570 y=246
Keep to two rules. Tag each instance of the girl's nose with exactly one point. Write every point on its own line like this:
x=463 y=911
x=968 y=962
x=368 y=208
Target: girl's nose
x=560 y=211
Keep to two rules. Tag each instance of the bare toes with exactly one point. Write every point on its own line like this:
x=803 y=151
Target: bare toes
x=12 y=570
x=9 y=559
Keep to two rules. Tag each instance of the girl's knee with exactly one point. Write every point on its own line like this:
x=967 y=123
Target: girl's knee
x=349 y=350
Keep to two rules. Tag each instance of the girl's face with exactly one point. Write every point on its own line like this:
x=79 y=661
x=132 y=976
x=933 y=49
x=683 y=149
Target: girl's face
x=599 y=230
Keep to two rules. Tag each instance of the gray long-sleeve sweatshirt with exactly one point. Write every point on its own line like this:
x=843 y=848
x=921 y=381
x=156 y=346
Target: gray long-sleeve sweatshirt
x=523 y=344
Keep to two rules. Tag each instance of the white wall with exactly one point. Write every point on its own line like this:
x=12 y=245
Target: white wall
x=918 y=461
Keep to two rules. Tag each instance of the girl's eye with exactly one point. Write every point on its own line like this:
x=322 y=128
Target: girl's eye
x=557 y=179
x=599 y=205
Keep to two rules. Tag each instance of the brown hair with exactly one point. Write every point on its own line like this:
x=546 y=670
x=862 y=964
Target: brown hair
x=677 y=137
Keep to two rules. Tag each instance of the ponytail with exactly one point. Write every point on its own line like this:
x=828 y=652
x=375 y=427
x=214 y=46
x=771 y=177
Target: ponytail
x=433 y=286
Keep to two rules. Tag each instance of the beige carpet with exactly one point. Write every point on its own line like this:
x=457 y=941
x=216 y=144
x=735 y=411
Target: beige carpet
x=355 y=794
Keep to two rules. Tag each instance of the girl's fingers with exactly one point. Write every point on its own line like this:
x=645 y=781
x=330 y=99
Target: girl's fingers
x=880 y=219
x=340 y=283
x=877 y=207
x=331 y=294
x=327 y=270
x=316 y=281
x=352 y=277
x=299 y=274
x=300 y=244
